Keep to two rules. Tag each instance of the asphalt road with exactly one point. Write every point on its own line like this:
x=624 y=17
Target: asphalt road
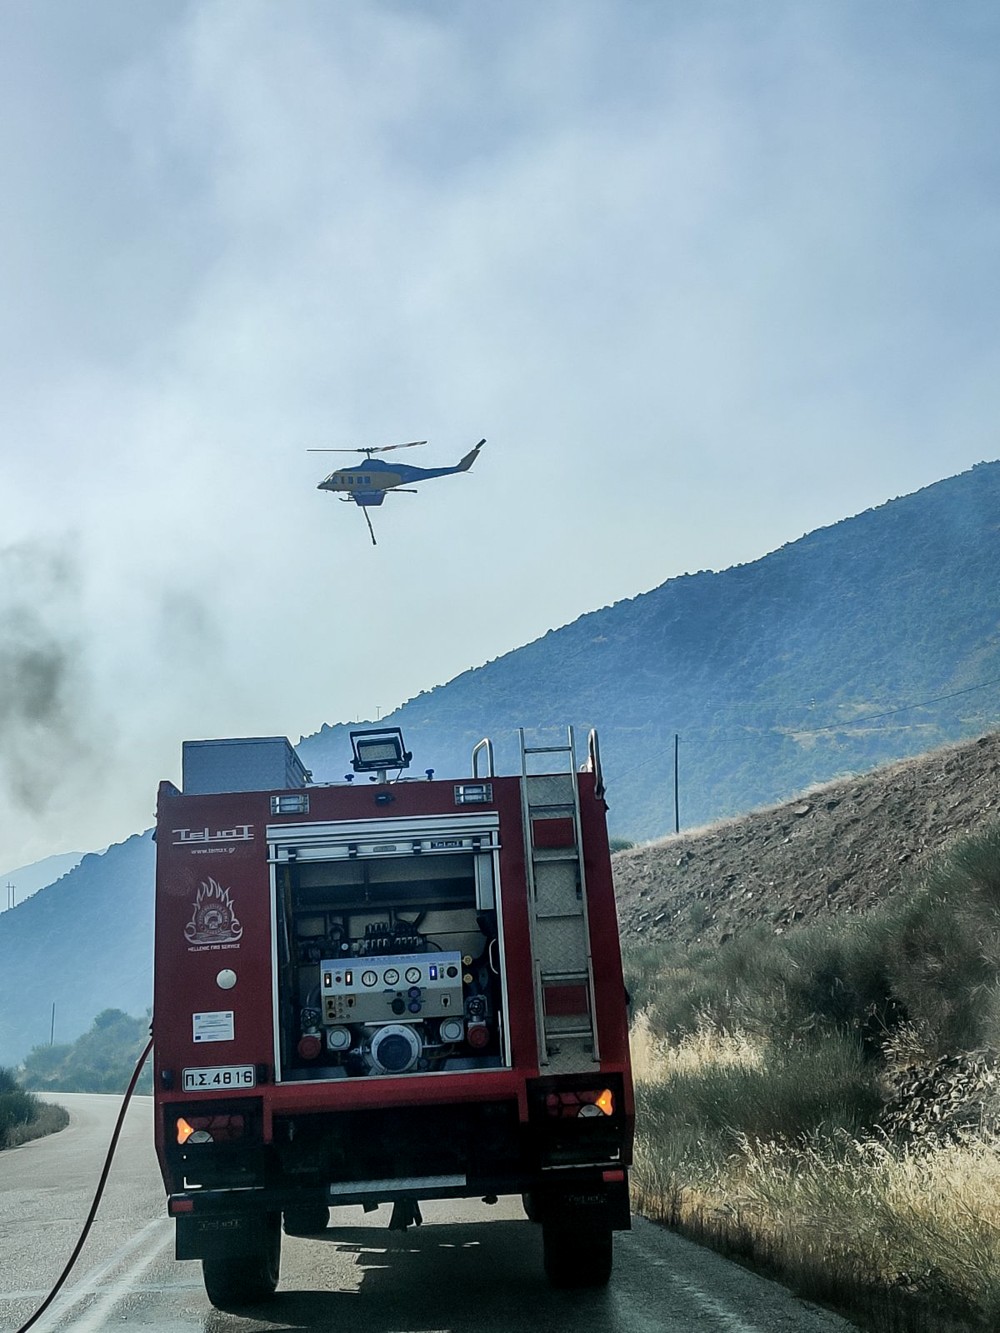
x=469 y=1269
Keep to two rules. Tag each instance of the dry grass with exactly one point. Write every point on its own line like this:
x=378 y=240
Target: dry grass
x=902 y=1239
x=655 y=1059
x=49 y=1120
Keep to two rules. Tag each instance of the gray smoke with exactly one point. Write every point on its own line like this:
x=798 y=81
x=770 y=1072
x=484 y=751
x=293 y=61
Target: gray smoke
x=43 y=688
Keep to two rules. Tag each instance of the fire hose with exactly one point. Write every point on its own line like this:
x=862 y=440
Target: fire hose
x=57 y=1287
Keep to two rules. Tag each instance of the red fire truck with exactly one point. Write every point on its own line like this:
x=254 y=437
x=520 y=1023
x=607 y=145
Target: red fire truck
x=386 y=991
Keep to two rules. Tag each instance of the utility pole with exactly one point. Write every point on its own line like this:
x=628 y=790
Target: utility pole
x=677 y=807
x=52 y=1025
x=11 y=889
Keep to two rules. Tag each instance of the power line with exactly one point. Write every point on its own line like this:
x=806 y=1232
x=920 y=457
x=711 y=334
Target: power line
x=920 y=703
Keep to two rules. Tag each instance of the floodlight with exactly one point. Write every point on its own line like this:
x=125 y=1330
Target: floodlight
x=378 y=750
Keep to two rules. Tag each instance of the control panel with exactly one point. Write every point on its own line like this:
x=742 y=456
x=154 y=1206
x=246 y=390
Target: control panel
x=396 y=988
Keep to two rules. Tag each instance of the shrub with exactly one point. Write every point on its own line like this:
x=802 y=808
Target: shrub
x=101 y=1060
x=930 y=960
x=17 y=1108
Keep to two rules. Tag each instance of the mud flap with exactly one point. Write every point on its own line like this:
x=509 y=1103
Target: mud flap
x=220 y=1235
x=594 y=1206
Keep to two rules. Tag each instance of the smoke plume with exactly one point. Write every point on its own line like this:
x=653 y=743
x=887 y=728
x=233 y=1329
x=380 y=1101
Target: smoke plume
x=43 y=688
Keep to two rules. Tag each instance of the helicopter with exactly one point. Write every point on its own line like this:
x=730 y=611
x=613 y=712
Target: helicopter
x=369 y=482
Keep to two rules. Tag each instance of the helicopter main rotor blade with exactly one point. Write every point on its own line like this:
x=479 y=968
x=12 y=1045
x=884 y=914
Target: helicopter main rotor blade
x=375 y=448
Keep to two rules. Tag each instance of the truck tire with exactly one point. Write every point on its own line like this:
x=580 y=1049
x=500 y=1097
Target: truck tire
x=306 y=1221
x=246 y=1279
x=576 y=1258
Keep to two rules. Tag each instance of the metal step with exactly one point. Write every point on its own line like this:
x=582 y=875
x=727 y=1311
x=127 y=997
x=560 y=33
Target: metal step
x=552 y=855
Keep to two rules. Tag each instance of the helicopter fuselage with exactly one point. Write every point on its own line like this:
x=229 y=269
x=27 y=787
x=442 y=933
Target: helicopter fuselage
x=367 y=483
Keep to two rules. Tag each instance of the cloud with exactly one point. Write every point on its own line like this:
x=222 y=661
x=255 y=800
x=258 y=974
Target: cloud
x=706 y=276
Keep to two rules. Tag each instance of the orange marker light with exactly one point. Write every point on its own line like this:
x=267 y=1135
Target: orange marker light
x=184 y=1130
x=606 y=1102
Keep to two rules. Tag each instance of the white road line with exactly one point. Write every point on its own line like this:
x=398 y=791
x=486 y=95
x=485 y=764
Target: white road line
x=731 y=1322
x=96 y=1318
x=155 y=1234
x=724 y=1316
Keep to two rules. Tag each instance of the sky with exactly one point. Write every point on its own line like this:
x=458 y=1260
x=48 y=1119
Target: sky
x=706 y=274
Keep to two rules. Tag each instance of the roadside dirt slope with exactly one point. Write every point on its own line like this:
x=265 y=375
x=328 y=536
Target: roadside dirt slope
x=842 y=847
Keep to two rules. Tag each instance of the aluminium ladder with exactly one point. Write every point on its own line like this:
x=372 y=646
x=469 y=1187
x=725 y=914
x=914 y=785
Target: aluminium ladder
x=560 y=927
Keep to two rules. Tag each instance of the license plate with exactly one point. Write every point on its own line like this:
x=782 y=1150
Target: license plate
x=219 y=1076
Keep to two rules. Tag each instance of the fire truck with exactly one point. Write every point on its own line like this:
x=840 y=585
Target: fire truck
x=386 y=990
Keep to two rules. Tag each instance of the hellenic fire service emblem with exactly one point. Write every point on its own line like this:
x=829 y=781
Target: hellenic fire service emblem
x=214 y=918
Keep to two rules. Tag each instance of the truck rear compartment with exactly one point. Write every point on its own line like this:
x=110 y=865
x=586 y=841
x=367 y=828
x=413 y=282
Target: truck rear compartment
x=387 y=964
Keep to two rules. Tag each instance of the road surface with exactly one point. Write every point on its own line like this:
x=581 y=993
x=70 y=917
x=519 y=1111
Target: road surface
x=469 y=1269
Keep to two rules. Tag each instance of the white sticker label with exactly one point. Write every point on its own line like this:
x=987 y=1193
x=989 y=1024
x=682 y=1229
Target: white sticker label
x=217 y=1026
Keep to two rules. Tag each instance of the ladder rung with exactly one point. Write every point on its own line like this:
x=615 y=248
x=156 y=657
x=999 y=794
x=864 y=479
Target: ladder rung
x=564 y=976
x=558 y=916
x=567 y=1034
x=547 y=749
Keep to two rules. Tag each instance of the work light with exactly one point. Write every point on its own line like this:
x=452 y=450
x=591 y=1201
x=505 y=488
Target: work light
x=379 y=749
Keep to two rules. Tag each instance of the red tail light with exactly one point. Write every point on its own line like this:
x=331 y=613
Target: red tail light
x=584 y=1101
x=209 y=1128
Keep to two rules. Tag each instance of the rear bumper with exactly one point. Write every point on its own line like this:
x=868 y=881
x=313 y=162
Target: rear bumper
x=219 y=1222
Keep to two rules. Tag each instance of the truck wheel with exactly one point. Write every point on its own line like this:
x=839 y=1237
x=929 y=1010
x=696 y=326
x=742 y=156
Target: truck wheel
x=246 y=1279
x=307 y=1221
x=576 y=1259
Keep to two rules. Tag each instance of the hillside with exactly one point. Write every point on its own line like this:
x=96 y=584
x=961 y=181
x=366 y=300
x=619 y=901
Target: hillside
x=842 y=847
x=84 y=944
x=865 y=642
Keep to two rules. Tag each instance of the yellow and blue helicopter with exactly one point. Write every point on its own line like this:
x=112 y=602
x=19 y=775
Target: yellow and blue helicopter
x=368 y=483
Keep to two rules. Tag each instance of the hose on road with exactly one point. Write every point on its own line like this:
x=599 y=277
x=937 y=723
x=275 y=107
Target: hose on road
x=97 y=1196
